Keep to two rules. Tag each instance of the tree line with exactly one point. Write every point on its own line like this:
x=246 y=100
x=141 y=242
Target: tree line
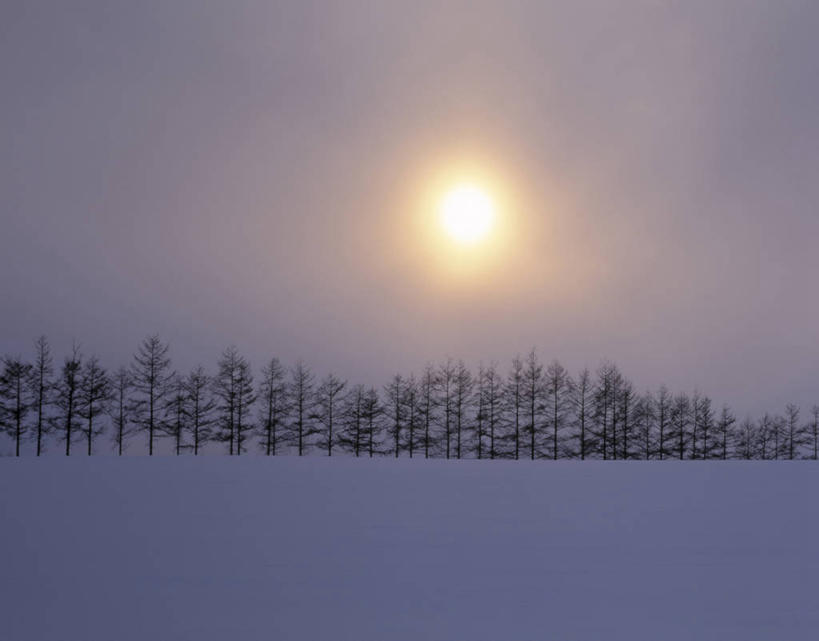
x=529 y=410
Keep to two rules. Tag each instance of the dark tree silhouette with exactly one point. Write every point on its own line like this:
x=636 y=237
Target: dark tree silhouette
x=533 y=397
x=793 y=431
x=95 y=394
x=680 y=423
x=411 y=413
x=120 y=408
x=372 y=411
x=245 y=398
x=813 y=428
x=746 y=440
x=481 y=413
x=273 y=400
x=394 y=393
x=558 y=394
x=426 y=406
x=352 y=436
x=581 y=398
x=777 y=430
x=644 y=419
x=233 y=386
x=534 y=411
x=723 y=432
x=604 y=405
x=626 y=401
x=767 y=434
x=462 y=397
x=201 y=408
x=300 y=401
x=514 y=400
x=492 y=407
x=225 y=389
x=15 y=400
x=702 y=432
x=151 y=377
x=42 y=387
x=176 y=411
x=618 y=385
x=445 y=385
x=68 y=396
x=327 y=410
x=663 y=406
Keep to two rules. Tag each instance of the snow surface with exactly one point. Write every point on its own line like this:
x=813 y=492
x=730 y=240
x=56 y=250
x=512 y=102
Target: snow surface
x=219 y=548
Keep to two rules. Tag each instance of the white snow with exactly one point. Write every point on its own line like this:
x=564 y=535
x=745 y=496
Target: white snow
x=316 y=549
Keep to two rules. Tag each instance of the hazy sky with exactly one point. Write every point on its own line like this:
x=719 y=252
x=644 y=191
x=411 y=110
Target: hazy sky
x=254 y=173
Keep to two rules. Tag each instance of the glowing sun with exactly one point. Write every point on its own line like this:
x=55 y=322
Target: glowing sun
x=467 y=214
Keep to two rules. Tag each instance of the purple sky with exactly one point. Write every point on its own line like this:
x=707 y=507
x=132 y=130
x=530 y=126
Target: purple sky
x=244 y=173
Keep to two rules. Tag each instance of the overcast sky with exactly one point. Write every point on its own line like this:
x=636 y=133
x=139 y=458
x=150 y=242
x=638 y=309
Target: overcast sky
x=251 y=173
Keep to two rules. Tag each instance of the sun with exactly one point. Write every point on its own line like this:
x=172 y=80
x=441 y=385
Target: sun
x=467 y=213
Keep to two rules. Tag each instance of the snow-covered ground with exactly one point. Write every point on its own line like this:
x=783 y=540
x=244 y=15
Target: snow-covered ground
x=359 y=550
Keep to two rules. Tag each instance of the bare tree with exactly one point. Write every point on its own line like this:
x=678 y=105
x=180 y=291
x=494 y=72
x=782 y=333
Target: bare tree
x=245 y=398
x=176 y=409
x=68 y=389
x=558 y=391
x=533 y=396
x=273 y=410
x=372 y=411
x=151 y=376
x=41 y=387
x=580 y=400
x=300 y=393
x=492 y=406
x=95 y=394
x=120 y=408
x=225 y=386
x=814 y=431
x=462 y=393
x=411 y=412
x=352 y=437
x=724 y=431
x=394 y=395
x=446 y=384
x=327 y=412
x=793 y=431
x=777 y=430
x=514 y=400
x=605 y=407
x=617 y=385
x=702 y=432
x=534 y=410
x=625 y=409
x=766 y=433
x=15 y=400
x=663 y=410
x=746 y=440
x=644 y=419
x=233 y=386
x=680 y=422
x=201 y=407
x=481 y=413
x=426 y=406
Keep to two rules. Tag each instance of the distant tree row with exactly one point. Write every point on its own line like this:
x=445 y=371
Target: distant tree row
x=529 y=410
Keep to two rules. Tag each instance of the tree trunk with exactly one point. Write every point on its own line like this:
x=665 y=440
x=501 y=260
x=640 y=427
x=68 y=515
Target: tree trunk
x=330 y=432
x=40 y=400
x=90 y=429
x=151 y=424
x=69 y=422
x=19 y=414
